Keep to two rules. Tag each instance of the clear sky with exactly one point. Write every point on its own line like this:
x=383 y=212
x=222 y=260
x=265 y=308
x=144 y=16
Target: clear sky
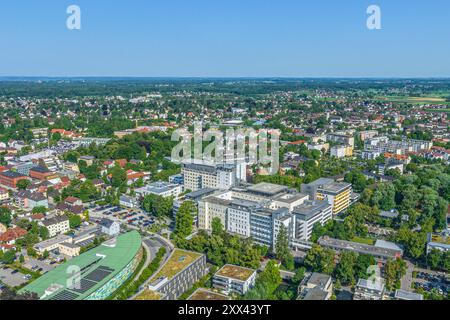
x=225 y=38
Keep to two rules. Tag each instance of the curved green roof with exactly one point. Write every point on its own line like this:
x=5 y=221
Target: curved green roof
x=97 y=266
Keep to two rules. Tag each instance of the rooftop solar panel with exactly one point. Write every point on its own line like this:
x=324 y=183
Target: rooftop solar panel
x=84 y=286
x=99 y=274
x=64 y=295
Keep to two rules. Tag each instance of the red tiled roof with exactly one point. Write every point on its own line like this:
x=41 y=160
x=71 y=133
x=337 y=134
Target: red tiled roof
x=12 y=234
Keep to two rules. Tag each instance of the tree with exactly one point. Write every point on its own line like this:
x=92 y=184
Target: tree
x=299 y=275
x=119 y=176
x=45 y=254
x=157 y=205
x=282 y=250
x=39 y=209
x=266 y=284
x=43 y=233
x=74 y=221
x=320 y=260
x=434 y=258
x=21 y=258
x=363 y=262
x=184 y=219
x=217 y=227
x=345 y=270
x=9 y=257
x=9 y=294
x=394 y=270
x=5 y=216
x=23 y=184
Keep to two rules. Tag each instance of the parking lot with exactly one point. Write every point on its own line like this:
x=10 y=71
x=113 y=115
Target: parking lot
x=429 y=281
x=12 y=278
x=132 y=217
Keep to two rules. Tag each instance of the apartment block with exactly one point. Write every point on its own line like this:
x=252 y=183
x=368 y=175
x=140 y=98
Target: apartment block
x=199 y=176
x=234 y=279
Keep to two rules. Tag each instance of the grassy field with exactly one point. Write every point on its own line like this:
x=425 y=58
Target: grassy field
x=414 y=100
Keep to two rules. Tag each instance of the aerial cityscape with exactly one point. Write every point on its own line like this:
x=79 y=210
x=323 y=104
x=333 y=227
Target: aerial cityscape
x=223 y=188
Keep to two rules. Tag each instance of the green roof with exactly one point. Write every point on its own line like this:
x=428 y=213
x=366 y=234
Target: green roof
x=97 y=266
x=177 y=262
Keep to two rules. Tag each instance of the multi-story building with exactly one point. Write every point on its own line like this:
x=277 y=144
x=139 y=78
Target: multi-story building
x=163 y=189
x=265 y=225
x=39 y=132
x=4 y=195
x=11 y=178
x=56 y=225
x=24 y=168
x=234 y=279
x=212 y=207
x=369 y=290
x=338 y=194
x=317 y=286
x=40 y=173
x=28 y=200
x=199 y=176
x=368 y=134
x=345 y=139
x=238 y=221
x=181 y=271
x=341 y=151
x=309 y=214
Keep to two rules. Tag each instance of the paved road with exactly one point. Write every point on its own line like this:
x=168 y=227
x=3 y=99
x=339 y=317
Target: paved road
x=407 y=279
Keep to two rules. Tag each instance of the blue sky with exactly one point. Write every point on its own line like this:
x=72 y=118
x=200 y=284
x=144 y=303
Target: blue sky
x=225 y=38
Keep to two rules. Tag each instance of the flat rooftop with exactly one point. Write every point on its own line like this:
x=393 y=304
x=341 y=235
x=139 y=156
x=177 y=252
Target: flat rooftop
x=358 y=247
x=407 y=295
x=440 y=239
x=309 y=209
x=178 y=261
x=206 y=295
x=235 y=272
x=266 y=188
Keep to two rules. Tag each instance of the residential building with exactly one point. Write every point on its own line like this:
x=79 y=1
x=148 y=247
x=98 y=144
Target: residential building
x=181 y=271
x=345 y=139
x=11 y=235
x=369 y=290
x=341 y=151
x=56 y=225
x=317 y=286
x=4 y=195
x=110 y=227
x=199 y=176
x=234 y=279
